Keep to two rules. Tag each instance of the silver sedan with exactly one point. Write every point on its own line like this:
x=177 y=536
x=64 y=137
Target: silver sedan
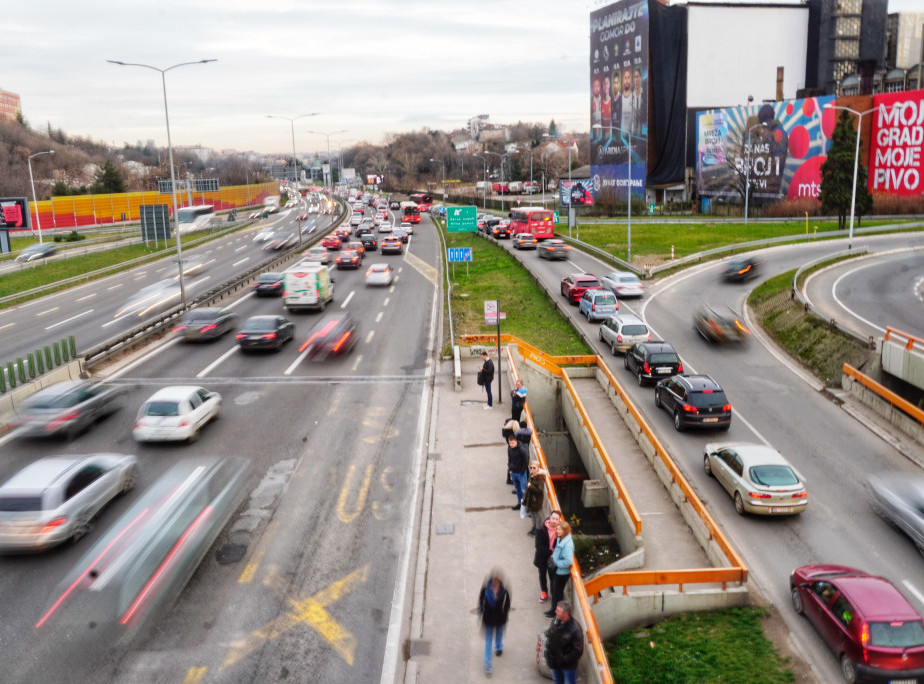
x=757 y=477
x=68 y=408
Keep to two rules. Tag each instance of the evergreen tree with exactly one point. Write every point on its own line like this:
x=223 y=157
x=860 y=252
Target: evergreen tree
x=837 y=175
x=108 y=179
x=553 y=129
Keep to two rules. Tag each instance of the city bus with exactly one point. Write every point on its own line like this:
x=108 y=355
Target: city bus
x=410 y=212
x=536 y=220
x=424 y=200
x=194 y=218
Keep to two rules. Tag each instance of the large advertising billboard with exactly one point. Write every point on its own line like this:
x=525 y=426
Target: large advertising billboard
x=619 y=98
x=775 y=147
x=896 y=163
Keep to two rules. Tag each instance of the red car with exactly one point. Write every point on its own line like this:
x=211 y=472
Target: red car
x=331 y=242
x=874 y=631
x=349 y=259
x=575 y=285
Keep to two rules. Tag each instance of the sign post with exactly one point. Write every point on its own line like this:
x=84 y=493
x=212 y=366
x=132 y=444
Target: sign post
x=493 y=316
x=460 y=254
x=462 y=219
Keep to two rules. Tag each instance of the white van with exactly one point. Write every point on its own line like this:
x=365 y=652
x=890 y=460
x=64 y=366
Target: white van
x=307 y=285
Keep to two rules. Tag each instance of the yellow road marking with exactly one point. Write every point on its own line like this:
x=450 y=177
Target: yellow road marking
x=310 y=611
x=345 y=517
x=422 y=267
x=250 y=570
x=195 y=675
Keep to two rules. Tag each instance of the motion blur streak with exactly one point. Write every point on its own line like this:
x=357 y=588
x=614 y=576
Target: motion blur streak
x=321 y=332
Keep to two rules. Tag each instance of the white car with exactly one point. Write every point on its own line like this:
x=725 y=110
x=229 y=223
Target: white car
x=385 y=227
x=263 y=235
x=379 y=274
x=623 y=284
x=621 y=331
x=175 y=414
x=408 y=227
x=318 y=254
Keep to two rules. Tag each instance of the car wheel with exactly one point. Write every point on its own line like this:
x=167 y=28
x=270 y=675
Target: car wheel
x=82 y=526
x=131 y=477
x=739 y=504
x=614 y=349
x=658 y=398
x=678 y=424
x=796 y=599
x=625 y=361
x=848 y=670
x=600 y=333
x=640 y=378
x=707 y=466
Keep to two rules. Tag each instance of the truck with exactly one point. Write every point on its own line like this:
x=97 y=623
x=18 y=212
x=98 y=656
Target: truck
x=507 y=188
x=307 y=286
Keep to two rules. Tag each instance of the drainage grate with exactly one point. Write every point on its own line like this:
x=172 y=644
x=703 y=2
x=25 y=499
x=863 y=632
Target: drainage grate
x=230 y=553
x=446 y=528
x=418 y=647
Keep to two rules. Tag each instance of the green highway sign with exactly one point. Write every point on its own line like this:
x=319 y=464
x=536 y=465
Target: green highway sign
x=462 y=219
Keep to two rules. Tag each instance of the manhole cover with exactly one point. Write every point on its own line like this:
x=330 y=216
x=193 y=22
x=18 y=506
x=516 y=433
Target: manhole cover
x=230 y=553
x=448 y=528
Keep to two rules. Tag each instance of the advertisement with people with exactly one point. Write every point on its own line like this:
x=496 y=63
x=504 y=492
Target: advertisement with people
x=896 y=141
x=576 y=192
x=777 y=148
x=619 y=98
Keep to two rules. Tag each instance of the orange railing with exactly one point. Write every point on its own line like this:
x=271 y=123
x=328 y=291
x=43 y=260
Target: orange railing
x=910 y=340
x=886 y=394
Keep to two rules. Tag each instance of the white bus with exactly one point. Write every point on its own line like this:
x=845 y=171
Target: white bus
x=195 y=218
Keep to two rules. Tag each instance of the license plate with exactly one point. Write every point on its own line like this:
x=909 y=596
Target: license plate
x=710 y=420
x=664 y=370
x=780 y=509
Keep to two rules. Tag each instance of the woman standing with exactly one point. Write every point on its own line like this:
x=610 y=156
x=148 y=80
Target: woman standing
x=545 y=542
x=533 y=498
x=560 y=564
x=493 y=605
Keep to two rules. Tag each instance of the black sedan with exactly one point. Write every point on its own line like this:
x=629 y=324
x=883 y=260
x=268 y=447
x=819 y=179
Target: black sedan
x=268 y=284
x=401 y=235
x=206 y=324
x=265 y=332
x=717 y=326
x=651 y=361
x=68 y=408
x=333 y=336
x=369 y=241
x=741 y=269
x=349 y=258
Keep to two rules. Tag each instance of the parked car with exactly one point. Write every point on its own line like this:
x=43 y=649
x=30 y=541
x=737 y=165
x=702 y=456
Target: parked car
x=757 y=477
x=575 y=285
x=716 y=326
x=652 y=360
x=623 y=284
x=874 y=631
x=597 y=305
x=36 y=252
x=333 y=336
x=379 y=274
x=694 y=401
x=68 y=408
x=553 y=249
x=265 y=332
x=176 y=413
x=391 y=245
x=525 y=241
x=899 y=498
x=56 y=499
x=206 y=324
x=622 y=331
x=741 y=269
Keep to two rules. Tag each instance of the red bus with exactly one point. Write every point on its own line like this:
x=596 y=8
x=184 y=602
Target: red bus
x=410 y=212
x=536 y=220
x=424 y=200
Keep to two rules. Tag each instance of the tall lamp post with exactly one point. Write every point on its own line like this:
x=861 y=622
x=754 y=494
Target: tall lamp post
x=292 y=120
x=176 y=218
x=443 y=174
x=502 y=157
x=328 y=135
x=571 y=147
x=629 y=197
x=747 y=173
x=484 y=182
x=38 y=219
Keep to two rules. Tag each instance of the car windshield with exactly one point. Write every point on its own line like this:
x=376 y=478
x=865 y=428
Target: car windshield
x=896 y=634
x=634 y=330
x=20 y=504
x=55 y=402
x=773 y=475
x=707 y=399
x=162 y=408
x=664 y=357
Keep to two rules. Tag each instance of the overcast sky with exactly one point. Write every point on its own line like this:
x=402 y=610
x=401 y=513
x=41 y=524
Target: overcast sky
x=368 y=67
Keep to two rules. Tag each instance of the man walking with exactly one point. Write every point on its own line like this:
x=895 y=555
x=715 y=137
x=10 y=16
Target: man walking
x=564 y=645
x=517 y=400
x=517 y=464
x=487 y=374
x=493 y=605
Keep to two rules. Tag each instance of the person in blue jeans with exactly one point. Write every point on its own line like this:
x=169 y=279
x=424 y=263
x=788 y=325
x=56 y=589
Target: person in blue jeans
x=517 y=464
x=493 y=606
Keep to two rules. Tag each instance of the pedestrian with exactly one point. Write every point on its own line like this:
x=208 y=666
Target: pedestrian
x=560 y=564
x=564 y=645
x=493 y=606
x=545 y=542
x=517 y=464
x=534 y=495
x=517 y=400
x=487 y=375
x=510 y=428
x=523 y=433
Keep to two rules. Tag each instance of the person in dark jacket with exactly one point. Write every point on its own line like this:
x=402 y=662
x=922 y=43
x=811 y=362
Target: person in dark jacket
x=493 y=606
x=517 y=400
x=517 y=463
x=534 y=497
x=564 y=645
x=545 y=542
x=487 y=374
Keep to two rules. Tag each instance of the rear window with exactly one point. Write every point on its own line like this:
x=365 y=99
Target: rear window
x=665 y=357
x=587 y=283
x=162 y=408
x=605 y=299
x=896 y=634
x=20 y=504
x=708 y=399
x=634 y=330
x=773 y=475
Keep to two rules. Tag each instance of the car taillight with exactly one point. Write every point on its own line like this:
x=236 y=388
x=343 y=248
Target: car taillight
x=52 y=525
x=690 y=409
x=679 y=367
x=60 y=420
x=649 y=337
x=341 y=341
x=646 y=367
x=758 y=495
x=864 y=638
x=800 y=495
x=269 y=336
x=211 y=326
x=240 y=336
x=179 y=328
x=727 y=408
x=740 y=326
x=567 y=247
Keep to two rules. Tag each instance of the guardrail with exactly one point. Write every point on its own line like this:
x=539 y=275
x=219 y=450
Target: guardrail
x=887 y=395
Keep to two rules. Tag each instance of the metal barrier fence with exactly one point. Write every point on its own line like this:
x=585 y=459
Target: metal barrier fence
x=29 y=367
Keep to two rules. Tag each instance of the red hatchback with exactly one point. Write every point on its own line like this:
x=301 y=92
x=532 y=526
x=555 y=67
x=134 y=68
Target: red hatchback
x=874 y=631
x=575 y=285
x=331 y=242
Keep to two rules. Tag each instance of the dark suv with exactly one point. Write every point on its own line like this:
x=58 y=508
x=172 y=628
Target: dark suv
x=652 y=361
x=695 y=401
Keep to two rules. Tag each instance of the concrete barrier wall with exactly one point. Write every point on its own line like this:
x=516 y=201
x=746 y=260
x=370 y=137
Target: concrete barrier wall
x=619 y=613
x=899 y=419
x=11 y=401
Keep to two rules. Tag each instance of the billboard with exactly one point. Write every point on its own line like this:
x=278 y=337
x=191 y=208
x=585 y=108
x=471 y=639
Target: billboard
x=896 y=138
x=576 y=192
x=14 y=212
x=778 y=147
x=374 y=179
x=619 y=98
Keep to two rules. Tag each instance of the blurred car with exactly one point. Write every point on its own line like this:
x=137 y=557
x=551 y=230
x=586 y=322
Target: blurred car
x=318 y=254
x=265 y=332
x=349 y=258
x=303 y=216
x=68 y=408
x=714 y=326
x=597 y=305
x=401 y=235
x=280 y=242
x=379 y=274
x=176 y=413
x=36 y=252
x=386 y=227
x=343 y=234
x=553 y=249
x=525 y=241
x=369 y=242
x=652 y=360
x=332 y=336
x=899 y=499
x=56 y=499
x=623 y=284
x=358 y=247
x=694 y=401
x=206 y=324
x=268 y=284
x=621 y=331
x=356 y=219
x=391 y=245
x=263 y=235
x=255 y=214
x=193 y=264
x=741 y=269
x=152 y=299
x=331 y=242
x=407 y=227
x=394 y=205
x=575 y=285
x=500 y=230
x=757 y=477
x=874 y=631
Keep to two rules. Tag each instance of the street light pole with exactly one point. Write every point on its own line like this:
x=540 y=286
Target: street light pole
x=572 y=146
x=747 y=174
x=176 y=218
x=38 y=219
x=502 y=157
x=291 y=120
x=442 y=174
x=484 y=182
x=330 y=172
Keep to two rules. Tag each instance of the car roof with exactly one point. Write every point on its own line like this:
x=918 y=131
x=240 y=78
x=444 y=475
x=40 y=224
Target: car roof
x=629 y=319
x=658 y=346
x=58 y=389
x=39 y=475
x=379 y=267
x=752 y=454
x=599 y=293
x=699 y=382
x=264 y=318
x=173 y=393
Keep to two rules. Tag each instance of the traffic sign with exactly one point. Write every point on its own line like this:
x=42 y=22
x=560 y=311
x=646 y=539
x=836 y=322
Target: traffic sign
x=462 y=219
x=460 y=254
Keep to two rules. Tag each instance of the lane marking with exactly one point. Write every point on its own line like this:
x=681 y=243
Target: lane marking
x=68 y=320
x=379 y=316
x=295 y=364
x=238 y=263
x=359 y=357
x=348 y=517
x=89 y=296
x=205 y=371
x=115 y=287
x=387 y=299
x=142 y=359
x=347 y=300
x=4 y=327
x=370 y=336
x=195 y=675
x=47 y=311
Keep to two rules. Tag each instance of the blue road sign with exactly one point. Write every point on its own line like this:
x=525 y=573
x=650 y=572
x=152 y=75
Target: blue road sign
x=460 y=254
